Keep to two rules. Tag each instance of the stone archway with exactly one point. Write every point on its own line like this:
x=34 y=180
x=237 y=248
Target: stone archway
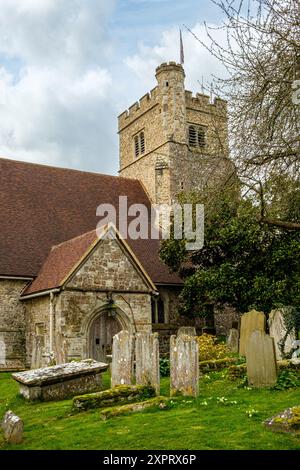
x=101 y=331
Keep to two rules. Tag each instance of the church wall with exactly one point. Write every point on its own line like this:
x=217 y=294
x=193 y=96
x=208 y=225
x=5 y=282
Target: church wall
x=107 y=269
x=153 y=172
x=76 y=310
x=37 y=327
x=173 y=320
x=193 y=170
x=153 y=136
x=12 y=328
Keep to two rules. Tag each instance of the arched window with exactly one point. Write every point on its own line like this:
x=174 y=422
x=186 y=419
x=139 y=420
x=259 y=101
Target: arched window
x=158 y=310
x=161 y=310
x=197 y=137
x=139 y=144
x=153 y=310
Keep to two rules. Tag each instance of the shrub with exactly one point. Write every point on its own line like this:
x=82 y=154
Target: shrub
x=210 y=349
x=287 y=379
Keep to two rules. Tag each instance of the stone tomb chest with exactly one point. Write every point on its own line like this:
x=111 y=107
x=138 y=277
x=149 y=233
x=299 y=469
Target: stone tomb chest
x=61 y=381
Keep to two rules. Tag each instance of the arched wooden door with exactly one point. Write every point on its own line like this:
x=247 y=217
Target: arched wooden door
x=102 y=331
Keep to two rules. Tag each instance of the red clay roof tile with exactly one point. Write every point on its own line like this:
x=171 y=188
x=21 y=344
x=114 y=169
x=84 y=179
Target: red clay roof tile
x=43 y=206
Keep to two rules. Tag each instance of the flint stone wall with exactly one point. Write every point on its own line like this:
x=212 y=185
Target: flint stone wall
x=12 y=325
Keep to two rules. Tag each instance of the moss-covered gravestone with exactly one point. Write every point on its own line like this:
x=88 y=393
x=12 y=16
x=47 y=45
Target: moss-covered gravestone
x=122 y=359
x=12 y=427
x=250 y=322
x=186 y=330
x=261 y=360
x=233 y=340
x=184 y=365
x=147 y=360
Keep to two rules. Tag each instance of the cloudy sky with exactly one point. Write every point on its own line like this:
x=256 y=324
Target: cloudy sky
x=69 y=67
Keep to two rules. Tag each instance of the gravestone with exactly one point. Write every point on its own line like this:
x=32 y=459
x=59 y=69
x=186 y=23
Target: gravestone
x=278 y=332
x=233 y=340
x=296 y=354
x=2 y=351
x=122 y=359
x=36 y=355
x=250 y=322
x=12 y=427
x=184 y=365
x=147 y=360
x=186 y=330
x=261 y=360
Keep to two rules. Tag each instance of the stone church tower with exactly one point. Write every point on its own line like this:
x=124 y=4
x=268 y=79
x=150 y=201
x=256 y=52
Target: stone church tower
x=172 y=141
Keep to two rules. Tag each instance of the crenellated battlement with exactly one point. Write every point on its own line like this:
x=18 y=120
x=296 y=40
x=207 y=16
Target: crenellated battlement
x=169 y=67
x=145 y=103
x=203 y=102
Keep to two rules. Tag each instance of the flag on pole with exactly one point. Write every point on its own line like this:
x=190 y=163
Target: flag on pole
x=181 y=50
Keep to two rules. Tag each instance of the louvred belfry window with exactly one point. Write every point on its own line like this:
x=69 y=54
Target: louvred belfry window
x=197 y=136
x=139 y=144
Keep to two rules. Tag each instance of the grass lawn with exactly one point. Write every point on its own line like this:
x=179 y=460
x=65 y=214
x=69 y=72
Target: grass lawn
x=190 y=424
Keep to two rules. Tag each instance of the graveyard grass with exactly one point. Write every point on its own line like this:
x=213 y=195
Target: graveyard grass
x=207 y=422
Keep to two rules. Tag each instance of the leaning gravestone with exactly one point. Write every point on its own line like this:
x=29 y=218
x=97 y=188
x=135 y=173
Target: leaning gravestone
x=147 y=360
x=233 y=340
x=186 y=330
x=12 y=427
x=250 y=322
x=184 y=365
x=122 y=359
x=278 y=331
x=261 y=360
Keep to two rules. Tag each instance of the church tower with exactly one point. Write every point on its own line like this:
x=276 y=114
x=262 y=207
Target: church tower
x=172 y=141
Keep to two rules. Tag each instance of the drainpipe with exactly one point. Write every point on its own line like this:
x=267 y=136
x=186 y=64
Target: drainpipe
x=51 y=317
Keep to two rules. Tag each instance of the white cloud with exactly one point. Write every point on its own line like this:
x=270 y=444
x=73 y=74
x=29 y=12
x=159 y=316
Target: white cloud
x=62 y=81
x=198 y=61
x=58 y=108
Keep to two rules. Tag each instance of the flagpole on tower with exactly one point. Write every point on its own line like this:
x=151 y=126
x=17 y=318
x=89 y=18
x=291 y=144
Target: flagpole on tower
x=181 y=50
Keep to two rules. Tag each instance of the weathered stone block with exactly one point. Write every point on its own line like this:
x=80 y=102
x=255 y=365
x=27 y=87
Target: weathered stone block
x=261 y=360
x=12 y=427
x=113 y=396
x=122 y=359
x=147 y=360
x=278 y=332
x=233 y=340
x=62 y=381
x=186 y=330
x=250 y=322
x=157 y=402
x=184 y=365
x=286 y=421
